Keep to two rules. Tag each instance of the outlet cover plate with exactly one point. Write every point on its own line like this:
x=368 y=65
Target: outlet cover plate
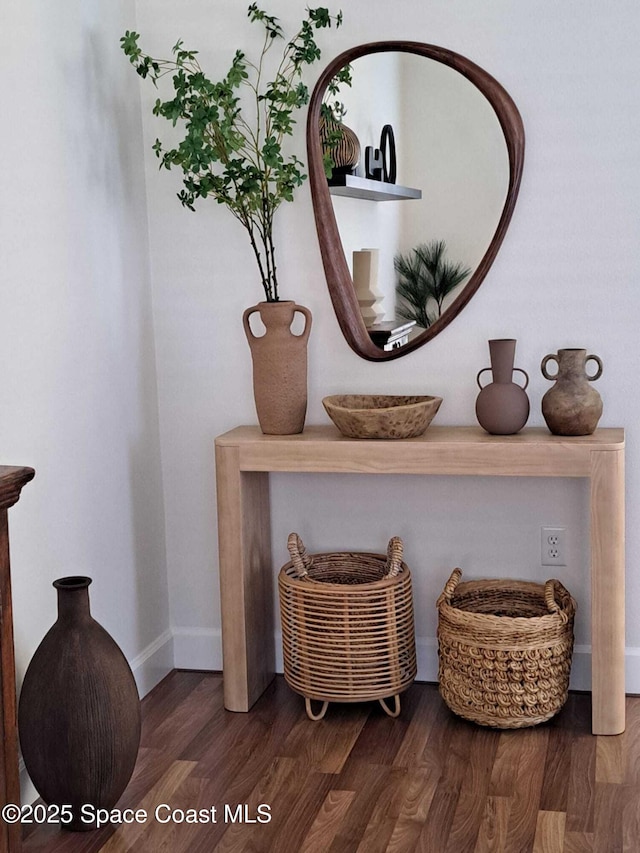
x=553 y=546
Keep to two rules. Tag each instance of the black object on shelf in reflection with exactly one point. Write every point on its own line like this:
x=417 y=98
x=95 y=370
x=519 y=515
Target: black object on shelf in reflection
x=388 y=149
x=380 y=163
x=390 y=334
x=373 y=163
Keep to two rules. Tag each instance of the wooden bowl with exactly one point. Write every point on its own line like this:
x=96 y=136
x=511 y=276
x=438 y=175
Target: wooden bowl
x=381 y=415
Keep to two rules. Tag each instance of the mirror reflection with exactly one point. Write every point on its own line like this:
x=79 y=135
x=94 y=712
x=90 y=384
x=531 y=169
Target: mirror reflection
x=460 y=151
x=412 y=245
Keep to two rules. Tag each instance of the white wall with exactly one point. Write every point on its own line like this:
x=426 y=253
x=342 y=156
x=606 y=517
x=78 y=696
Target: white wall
x=566 y=276
x=76 y=337
x=458 y=156
x=371 y=102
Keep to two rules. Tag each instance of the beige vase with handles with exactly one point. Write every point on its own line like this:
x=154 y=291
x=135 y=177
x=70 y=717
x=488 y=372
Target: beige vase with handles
x=279 y=367
x=571 y=406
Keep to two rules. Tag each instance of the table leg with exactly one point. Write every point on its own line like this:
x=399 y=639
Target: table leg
x=246 y=585
x=607 y=592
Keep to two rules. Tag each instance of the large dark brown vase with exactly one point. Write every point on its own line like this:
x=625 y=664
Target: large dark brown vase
x=571 y=406
x=279 y=367
x=79 y=711
x=502 y=406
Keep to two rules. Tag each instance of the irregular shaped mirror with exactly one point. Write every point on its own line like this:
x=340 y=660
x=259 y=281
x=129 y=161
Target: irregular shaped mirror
x=409 y=232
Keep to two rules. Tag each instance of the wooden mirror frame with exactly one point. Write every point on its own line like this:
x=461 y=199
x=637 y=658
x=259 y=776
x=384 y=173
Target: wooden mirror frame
x=339 y=281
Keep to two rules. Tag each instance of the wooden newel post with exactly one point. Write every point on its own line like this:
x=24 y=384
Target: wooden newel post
x=11 y=482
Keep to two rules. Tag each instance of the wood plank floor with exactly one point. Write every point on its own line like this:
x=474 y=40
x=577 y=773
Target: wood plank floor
x=360 y=782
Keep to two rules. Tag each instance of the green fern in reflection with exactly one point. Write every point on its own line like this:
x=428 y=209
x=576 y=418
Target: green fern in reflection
x=425 y=279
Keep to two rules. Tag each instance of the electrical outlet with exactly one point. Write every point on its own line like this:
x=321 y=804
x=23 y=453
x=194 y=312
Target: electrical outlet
x=553 y=542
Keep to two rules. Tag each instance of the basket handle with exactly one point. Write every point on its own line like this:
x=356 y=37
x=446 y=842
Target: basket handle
x=394 y=557
x=449 y=588
x=299 y=557
x=550 y=588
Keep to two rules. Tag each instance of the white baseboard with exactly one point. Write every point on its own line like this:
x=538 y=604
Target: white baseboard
x=197 y=648
x=201 y=648
x=153 y=663
x=632 y=670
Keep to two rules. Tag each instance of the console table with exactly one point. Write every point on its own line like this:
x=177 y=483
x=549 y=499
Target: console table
x=244 y=458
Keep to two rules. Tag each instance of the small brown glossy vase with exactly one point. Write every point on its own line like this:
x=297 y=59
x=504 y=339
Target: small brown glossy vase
x=79 y=711
x=279 y=367
x=571 y=406
x=502 y=407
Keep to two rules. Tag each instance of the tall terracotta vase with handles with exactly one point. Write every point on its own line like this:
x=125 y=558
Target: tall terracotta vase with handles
x=279 y=367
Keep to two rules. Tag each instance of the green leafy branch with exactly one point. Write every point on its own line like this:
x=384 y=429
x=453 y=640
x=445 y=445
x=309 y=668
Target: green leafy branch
x=231 y=150
x=425 y=279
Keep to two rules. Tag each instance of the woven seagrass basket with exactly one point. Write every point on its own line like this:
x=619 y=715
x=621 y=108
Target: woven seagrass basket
x=347 y=626
x=505 y=650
